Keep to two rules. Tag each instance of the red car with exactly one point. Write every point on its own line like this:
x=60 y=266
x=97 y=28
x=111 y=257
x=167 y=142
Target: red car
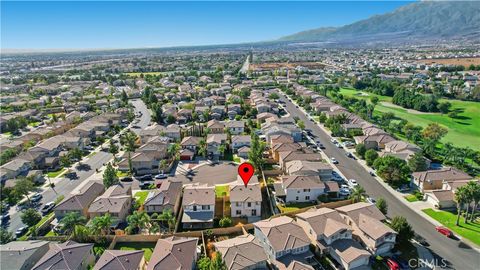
x=444 y=231
x=392 y=265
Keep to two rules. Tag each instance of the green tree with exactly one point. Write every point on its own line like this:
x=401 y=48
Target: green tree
x=322 y=118
x=203 y=148
x=221 y=149
x=370 y=156
x=255 y=155
x=217 y=262
x=124 y=97
x=137 y=222
x=225 y=222
x=444 y=107
x=5 y=236
x=382 y=205
x=110 y=177
x=417 y=163
x=395 y=171
x=475 y=186
x=361 y=150
x=434 y=132
x=23 y=187
x=460 y=198
x=113 y=148
x=70 y=220
x=204 y=263
x=101 y=224
x=30 y=217
x=168 y=217
x=357 y=194
x=129 y=140
x=301 y=124
x=404 y=231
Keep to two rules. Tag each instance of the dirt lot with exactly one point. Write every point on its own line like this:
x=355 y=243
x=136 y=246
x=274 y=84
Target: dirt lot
x=453 y=61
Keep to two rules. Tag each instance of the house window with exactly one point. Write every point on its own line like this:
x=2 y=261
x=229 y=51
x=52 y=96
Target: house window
x=239 y=212
x=194 y=208
x=205 y=207
x=307 y=198
x=296 y=198
x=249 y=204
x=254 y=212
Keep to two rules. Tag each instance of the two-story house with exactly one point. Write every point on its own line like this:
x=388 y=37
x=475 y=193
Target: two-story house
x=198 y=206
x=299 y=188
x=235 y=127
x=239 y=141
x=331 y=235
x=246 y=201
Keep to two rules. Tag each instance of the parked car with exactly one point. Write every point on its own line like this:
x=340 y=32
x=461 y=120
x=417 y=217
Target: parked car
x=445 y=231
x=4 y=219
x=36 y=197
x=161 y=176
x=145 y=177
x=336 y=176
x=392 y=264
x=371 y=200
x=372 y=173
x=126 y=179
x=421 y=240
x=47 y=208
x=145 y=185
x=352 y=182
x=21 y=231
x=344 y=192
x=333 y=160
x=333 y=140
x=401 y=262
x=348 y=154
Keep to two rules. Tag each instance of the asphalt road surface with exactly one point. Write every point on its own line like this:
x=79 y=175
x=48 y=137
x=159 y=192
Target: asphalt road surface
x=65 y=186
x=457 y=253
x=145 y=118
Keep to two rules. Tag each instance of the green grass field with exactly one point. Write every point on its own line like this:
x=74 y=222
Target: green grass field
x=146 y=247
x=141 y=196
x=55 y=173
x=221 y=190
x=463 y=131
x=471 y=231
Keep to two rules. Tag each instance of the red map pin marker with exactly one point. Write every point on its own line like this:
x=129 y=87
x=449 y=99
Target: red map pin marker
x=246 y=170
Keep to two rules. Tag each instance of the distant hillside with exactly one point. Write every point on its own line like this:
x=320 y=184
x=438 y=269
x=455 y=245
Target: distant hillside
x=426 y=19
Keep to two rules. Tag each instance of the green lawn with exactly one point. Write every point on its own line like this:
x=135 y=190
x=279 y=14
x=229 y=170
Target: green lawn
x=221 y=190
x=471 y=231
x=236 y=159
x=34 y=124
x=292 y=206
x=411 y=198
x=463 y=131
x=141 y=196
x=55 y=173
x=146 y=247
x=123 y=174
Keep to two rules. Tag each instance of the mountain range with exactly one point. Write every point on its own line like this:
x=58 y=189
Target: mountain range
x=425 y=19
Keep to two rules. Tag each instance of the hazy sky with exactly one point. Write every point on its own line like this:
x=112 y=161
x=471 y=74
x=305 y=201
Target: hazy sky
x=68 y=25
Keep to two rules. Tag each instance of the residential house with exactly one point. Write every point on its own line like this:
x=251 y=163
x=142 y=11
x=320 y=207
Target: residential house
x=120 y=259
x=216 y=127
x=14 y=168
x=304 y=154
x=434 y=179
x=331 y=235
x=213 y=143
x=68 y=255
x=242 y=253
x=366 y=221
x=79 y=201
x=374 y=141
x=299 y=188
x=440 y=198
x=22 y=255
x=167 y=197
x=198 y=206
x=246 y=201
x=239 y=141
x=277 y=148
x=116 y=201
x=191 y=143
x=281 y=237
x=299 y=167
x=174 y=253
x=235 y=127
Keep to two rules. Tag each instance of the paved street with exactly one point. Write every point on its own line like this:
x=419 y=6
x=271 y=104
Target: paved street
x=144 y=119
x=460 y=255
x=65 y=186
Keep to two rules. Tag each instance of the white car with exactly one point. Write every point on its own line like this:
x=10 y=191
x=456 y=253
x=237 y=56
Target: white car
x=344 y=192
x=333 y=160
x=333 y=140
x=352 y=182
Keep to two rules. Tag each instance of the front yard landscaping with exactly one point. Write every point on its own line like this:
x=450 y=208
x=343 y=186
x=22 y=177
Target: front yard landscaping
x=56 y=173
x=470 y=230
x=411 y=198
x=285 y=208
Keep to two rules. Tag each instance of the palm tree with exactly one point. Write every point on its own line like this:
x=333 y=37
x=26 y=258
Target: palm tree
x=101 y=224
x=203 y=148
x=221 y=149
x=172 y=150
x=460 y=199
x=70 y=220
x=475 y=197
x=137 y=221
x=169 y=218
x=357 y=194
